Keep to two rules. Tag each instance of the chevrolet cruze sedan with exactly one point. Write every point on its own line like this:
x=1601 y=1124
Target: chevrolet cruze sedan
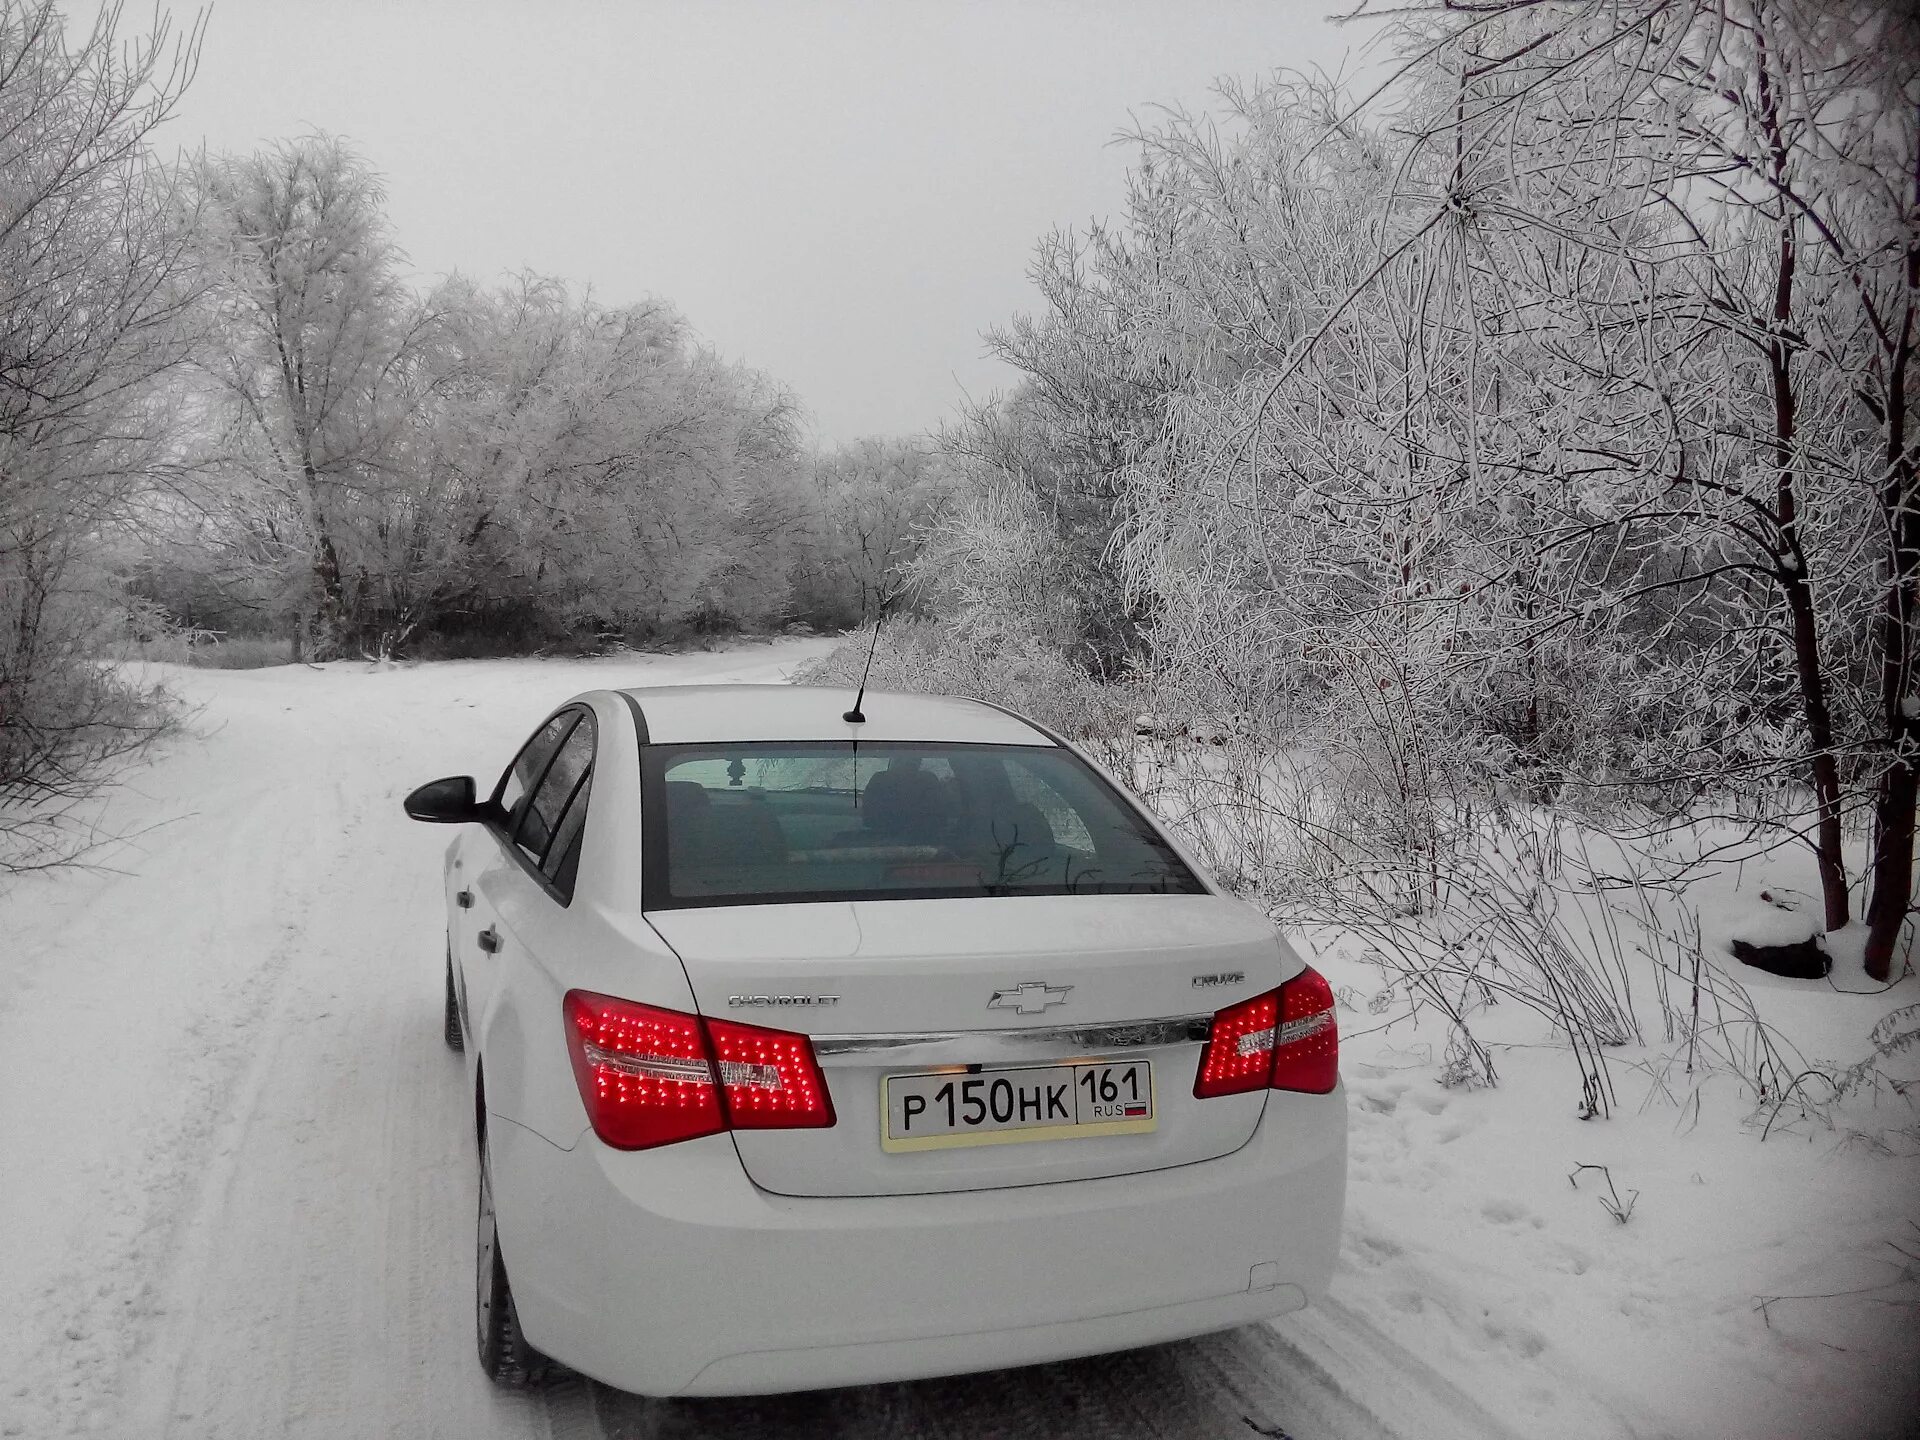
x=808 y=1050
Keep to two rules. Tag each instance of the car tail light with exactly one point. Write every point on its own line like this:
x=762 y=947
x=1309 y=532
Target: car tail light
x=646 y=1075
x=1239 y=1054
x=769 y=1077
x=1287 y=1039
x=643 y=1073
x=1306 y=1055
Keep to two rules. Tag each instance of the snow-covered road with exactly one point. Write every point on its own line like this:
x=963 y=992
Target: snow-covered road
x=238 y=1174
x=236 y=1170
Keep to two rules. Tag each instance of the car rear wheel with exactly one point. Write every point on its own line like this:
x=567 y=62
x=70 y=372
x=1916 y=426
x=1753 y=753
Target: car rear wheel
x=456 y=1038
x=505 y=1355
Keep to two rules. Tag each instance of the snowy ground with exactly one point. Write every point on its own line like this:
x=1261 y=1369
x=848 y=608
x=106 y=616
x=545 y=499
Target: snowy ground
x=236 y=1192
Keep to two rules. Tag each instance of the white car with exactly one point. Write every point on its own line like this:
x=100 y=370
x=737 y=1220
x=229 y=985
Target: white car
x=809 y=1051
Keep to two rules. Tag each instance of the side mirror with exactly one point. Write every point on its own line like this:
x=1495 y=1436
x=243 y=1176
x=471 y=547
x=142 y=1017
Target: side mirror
x=445 y=802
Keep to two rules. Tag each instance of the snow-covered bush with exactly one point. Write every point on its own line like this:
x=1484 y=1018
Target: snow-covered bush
x=1494 y=467
x=95 y=295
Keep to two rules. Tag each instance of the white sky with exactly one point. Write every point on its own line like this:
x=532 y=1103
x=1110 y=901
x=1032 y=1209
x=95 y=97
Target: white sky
x=844 y=194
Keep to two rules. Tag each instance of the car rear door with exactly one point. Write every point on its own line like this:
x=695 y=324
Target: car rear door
x=523 y=875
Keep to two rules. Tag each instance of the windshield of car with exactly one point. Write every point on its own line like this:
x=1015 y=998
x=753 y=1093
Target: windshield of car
x=769 y=823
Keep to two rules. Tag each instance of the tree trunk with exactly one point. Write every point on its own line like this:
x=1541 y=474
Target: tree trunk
x=1894 y=801
x=1893 y=806
x=330 y=619
x=1825 y=769
x=1794 y=579
x=1893 y=816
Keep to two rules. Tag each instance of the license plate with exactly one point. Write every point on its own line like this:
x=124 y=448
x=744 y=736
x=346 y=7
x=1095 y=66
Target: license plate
x=1004 y=1107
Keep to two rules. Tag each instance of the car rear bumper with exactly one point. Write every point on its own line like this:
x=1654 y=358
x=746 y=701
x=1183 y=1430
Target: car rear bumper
x=667 y=1272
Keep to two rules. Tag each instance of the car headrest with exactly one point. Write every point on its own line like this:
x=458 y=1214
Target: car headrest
x=687 y=797
x=902 y=802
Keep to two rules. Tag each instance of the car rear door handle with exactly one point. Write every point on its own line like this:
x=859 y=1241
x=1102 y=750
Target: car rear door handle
x=489 y=939
x=464 y=899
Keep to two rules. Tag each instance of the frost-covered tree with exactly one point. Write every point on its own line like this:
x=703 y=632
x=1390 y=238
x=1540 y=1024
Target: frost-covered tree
x=878 y=500
x=96 y=287
x=1538 y=429
x=514 y=465
x=1115 y=337
x=612 y=473
x=321 y=367
x=1712 y=207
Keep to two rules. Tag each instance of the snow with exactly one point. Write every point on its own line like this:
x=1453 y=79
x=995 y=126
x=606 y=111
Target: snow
x=1760 y=917
x=1474 y=1237
x=237 y=1191
x=1470 y=1242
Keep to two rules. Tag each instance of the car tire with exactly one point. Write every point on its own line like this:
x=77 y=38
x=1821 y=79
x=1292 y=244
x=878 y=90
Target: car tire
x=510 y=1362
x=456 y=1037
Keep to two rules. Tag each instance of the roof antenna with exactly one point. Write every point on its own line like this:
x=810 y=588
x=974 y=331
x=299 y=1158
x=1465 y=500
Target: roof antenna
x=853 y=716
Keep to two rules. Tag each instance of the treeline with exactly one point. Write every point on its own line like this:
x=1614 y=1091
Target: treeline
x=1540 y=427
x=381 y=472
x=375 y=471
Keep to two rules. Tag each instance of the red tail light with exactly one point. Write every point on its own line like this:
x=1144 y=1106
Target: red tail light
x=771 y=1080
x=646 y=1075
x=643 y=1073
x=1239 y=1054
x=1286 y=1039
x=1307 y=1055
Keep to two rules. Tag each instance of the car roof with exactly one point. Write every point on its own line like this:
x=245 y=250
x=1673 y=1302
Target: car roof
x=680 y=714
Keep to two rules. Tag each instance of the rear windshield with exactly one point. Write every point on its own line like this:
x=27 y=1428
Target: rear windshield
x=771 y=823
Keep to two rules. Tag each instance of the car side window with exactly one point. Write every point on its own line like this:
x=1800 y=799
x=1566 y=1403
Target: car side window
x=563 y=855
x=527 y=767
x=534 y=831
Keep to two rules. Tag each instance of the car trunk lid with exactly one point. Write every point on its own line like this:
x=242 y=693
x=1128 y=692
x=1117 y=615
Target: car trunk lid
x=906 y=987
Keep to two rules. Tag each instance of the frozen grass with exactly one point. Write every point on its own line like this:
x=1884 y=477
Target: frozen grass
x=210 y=652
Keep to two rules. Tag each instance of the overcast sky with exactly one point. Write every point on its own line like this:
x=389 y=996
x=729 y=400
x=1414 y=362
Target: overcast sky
x=842 y=194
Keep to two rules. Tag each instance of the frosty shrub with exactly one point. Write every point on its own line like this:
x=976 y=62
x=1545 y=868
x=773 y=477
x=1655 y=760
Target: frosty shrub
x=1538 y=430
x=68 y=717
x=1465 y=899
x=96 y=297
x=1001 y=573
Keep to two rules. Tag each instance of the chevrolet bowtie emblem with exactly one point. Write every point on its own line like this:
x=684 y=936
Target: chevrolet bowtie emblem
x=1030 y=998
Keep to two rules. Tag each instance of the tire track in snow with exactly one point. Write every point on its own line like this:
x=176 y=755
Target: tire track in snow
x=187 y=1159
x=1359 y=1381
x=158 y=1383
x=339 y=1281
